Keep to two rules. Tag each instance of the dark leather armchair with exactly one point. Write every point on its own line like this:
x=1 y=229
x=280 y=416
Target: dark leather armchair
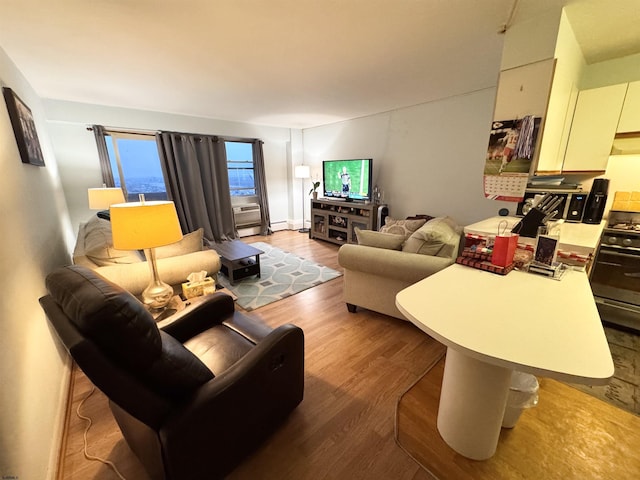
x=192 y=398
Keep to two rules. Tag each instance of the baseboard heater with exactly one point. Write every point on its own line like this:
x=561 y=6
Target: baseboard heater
x=247 y=215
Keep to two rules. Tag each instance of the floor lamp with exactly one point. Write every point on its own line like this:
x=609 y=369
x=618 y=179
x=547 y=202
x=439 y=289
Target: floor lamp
x=302 y=172
x=147 y=225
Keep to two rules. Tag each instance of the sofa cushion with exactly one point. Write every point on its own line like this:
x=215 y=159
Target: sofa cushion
x=437 y=237
x=191 y=242
x=401 y=227
x=98 y=245
x=371 y=238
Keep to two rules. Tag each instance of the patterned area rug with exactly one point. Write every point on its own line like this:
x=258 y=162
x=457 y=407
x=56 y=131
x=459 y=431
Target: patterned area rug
x=282 y=274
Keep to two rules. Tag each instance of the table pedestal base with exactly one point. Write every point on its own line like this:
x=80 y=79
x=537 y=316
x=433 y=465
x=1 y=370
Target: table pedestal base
x=472 y=404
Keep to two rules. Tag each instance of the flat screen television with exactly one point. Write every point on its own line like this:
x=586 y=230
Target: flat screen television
x=347 y=179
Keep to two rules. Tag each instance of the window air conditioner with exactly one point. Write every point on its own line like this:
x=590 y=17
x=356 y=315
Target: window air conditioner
x=247 y=215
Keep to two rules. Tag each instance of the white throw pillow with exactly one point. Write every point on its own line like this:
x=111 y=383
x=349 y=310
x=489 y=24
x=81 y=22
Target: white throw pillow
x=371 y=238
x=98 y=245
x=401 y=227
x=432 y=238
x=191 y=242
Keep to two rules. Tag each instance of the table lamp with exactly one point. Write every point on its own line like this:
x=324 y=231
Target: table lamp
x=302 y=172
x=103 y=198
x=147 y=225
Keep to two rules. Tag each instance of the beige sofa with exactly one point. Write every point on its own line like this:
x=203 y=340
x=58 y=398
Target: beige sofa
x=129 y=269
x=384 y=263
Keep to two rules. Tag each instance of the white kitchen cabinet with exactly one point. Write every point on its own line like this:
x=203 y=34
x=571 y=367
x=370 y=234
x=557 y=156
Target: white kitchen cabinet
x=630 y=116
x=594 y=125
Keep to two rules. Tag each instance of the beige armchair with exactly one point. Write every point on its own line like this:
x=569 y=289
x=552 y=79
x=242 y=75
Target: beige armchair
x=382 y=264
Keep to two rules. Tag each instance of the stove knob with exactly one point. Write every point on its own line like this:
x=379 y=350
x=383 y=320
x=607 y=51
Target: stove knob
x=612 y=240
x=627 y=242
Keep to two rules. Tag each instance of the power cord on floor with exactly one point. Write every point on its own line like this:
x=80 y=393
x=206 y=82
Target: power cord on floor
x=86 y=430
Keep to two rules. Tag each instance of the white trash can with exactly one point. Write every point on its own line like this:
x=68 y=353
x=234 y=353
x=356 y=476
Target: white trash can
x=523 y=393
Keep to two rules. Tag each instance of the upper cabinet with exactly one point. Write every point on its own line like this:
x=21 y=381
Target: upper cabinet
x=594 y=124
x=630 y=116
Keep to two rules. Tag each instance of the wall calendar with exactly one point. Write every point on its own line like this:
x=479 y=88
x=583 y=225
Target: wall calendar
x=509 y=155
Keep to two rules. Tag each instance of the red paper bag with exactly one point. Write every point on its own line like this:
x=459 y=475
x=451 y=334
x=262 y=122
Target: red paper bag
x=504 y=249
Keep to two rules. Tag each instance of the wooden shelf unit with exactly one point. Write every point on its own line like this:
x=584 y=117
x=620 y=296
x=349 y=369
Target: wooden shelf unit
x=335 y=221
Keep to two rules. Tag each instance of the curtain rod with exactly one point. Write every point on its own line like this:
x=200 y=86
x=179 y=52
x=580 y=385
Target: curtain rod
x=138 y=131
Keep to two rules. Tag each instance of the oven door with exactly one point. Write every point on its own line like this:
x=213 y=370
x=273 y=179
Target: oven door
x=616 y=274
x=615 y=281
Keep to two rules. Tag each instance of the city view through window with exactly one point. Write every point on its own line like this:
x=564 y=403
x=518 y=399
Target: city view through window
x=139 y=166
x=135 y=166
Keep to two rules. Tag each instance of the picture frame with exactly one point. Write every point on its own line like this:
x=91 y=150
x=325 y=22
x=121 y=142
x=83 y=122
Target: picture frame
x=546 y=250
x=24 y=128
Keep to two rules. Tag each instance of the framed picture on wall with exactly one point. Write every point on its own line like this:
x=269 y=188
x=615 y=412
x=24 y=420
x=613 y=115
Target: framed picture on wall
x=24 y=129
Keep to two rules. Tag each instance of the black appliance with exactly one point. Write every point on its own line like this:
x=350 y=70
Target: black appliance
x=594 y=208
x=575 y=210
x=615 y=275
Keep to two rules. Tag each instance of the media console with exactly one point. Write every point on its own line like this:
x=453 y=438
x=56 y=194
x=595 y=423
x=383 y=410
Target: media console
x=335 y=221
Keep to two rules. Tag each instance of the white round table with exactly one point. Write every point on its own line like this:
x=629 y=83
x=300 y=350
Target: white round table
x=493 y=324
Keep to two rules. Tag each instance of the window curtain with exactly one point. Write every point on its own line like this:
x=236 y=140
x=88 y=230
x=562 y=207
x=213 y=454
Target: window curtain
x=195 y=170
x=261 y=188
x=103 y=155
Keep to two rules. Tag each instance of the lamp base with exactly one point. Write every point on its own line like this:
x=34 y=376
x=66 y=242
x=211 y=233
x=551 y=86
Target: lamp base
x=304 y=230
x=157 y=295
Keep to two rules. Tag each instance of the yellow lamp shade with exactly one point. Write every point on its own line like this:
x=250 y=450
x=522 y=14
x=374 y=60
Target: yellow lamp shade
x=103 y=198
x=138 y=225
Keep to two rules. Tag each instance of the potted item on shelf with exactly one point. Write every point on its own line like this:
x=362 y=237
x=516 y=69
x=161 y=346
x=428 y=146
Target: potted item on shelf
x=314 y=189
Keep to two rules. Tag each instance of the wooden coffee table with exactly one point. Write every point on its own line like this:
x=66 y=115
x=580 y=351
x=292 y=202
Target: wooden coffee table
x=238 y=259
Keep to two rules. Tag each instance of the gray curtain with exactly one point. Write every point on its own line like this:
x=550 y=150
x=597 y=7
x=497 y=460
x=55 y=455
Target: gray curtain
x=103 y=154
x=261 y=187
x=195 y=169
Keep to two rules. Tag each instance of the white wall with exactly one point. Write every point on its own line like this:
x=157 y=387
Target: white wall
x=428 y=159
x=33 y=368
x=75 y=149
x=623 y=172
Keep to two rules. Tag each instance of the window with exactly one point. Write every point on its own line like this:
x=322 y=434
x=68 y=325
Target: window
x=240 y=167
x=135 y=165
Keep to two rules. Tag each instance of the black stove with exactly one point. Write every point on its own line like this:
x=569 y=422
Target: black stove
x=623 y=229
x=615 y=276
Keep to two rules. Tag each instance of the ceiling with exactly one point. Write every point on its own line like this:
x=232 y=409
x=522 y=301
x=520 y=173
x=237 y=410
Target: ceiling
x=291 y=63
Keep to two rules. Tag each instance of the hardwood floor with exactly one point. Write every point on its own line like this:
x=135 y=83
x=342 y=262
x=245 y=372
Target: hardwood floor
x=568 y=435
x=356 y=368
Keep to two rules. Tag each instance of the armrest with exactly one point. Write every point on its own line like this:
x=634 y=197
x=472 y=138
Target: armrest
x=212 y=310
x=268 y=378
x=134 y=277
x=390 y=263
x=234 y=412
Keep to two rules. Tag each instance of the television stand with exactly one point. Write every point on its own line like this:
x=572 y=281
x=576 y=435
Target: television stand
x=334 y=221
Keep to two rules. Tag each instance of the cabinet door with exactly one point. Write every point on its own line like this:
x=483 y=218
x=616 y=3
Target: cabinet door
x=524 y=91
x=594 y=125
x=630 y=116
